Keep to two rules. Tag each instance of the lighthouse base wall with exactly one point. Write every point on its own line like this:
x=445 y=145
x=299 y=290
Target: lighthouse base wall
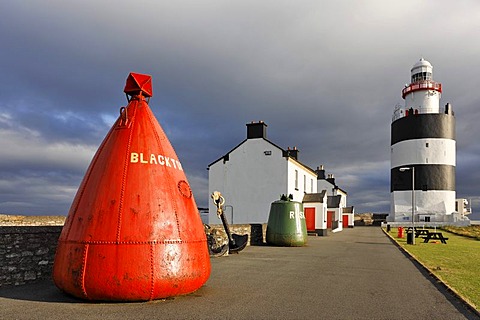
x=430 y=206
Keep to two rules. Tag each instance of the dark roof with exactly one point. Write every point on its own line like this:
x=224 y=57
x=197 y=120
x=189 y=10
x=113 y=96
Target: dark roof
x=348 y=209
x=228 y=153
x=333 y=201
x=314 y=197
x=225 y=157
x=337 y=187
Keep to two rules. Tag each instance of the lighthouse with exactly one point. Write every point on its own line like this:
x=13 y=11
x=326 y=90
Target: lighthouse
x=423 y=152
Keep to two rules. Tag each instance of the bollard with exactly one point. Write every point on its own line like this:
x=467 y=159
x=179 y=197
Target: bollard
x=400 y=232
x=410 y=236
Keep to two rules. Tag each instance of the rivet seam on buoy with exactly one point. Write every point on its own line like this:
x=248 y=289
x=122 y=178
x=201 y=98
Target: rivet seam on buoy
x=84 y=266
x=152 y=271
x=149 y=242
x=124 y=177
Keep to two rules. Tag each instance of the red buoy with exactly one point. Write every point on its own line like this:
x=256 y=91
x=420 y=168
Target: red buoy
x=133 y=232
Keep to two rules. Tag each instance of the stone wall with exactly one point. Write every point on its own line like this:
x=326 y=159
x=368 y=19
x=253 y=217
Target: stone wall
x=369 y=219
x=27 y=253
x=256 y=232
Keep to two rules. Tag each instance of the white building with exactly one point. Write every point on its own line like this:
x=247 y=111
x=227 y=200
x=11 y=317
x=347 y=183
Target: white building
x=315 y=209
x=327 y=182
x=254 y=174
x=339 y=216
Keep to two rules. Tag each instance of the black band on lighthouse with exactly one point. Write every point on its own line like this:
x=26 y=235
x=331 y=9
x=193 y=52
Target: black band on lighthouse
x=427 y=177
x=420 y=126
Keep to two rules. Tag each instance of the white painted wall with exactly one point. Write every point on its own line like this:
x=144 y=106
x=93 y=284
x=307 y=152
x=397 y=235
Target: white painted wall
x=426 y=101
x=299 y=180
x=250 y=181
x=343 y=197
x=320 y=213
x=323 y=184
x=433 y=202
x=351 y=220
x=338 y=216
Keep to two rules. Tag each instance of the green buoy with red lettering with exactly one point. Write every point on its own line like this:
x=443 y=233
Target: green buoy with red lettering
x=133 y=232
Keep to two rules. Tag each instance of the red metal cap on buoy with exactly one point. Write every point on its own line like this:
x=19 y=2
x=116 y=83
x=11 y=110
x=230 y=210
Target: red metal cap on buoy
x=138 y=83
x=133 y=232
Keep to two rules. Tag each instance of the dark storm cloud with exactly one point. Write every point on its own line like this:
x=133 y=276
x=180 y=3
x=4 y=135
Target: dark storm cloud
x=325 y=77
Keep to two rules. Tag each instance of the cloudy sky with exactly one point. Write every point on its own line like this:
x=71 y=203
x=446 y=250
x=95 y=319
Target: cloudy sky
x=324 y=75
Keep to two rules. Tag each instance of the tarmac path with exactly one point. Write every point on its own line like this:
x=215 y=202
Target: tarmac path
x=354 y=274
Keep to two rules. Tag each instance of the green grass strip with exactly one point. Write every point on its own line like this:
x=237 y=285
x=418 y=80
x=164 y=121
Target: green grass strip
x=455 y=263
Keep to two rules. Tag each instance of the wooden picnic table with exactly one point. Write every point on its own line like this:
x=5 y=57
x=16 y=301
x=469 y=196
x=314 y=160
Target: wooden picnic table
x=435 y=235
x=421 y=232
x=418 y=232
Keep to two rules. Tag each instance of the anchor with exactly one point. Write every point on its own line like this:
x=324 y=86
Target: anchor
x=236 y=242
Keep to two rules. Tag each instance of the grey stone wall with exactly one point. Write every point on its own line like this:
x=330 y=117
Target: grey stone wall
x=27 y=253
x=256 y=232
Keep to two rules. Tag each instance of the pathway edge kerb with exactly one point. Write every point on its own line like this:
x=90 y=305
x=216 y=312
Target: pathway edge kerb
x=446 y=286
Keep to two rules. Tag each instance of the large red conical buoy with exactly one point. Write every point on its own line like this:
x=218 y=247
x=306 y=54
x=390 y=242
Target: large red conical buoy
x=133 y=232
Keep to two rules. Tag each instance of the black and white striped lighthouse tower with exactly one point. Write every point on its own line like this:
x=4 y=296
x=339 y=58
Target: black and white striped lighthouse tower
x=422 y=150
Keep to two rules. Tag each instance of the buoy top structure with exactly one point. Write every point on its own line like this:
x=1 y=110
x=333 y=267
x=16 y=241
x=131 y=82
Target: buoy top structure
x=133 y=232
x=138 y=84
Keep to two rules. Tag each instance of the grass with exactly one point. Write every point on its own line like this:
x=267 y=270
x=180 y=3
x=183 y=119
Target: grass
x=455 y=263
x=470 y=231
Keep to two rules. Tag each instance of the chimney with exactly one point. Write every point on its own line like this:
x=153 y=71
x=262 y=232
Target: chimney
x=293 y=153
x=320 y=172
x=331 y=178
x=256 y=130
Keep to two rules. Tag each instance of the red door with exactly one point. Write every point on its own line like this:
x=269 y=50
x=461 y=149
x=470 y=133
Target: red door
x=330 y=215
x=345 y=221
x=310 y=218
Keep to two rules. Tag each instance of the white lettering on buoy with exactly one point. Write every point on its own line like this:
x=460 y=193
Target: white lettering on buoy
x=156 y=159
x=153 y=159
x=300 y=215
x=133 y=157
x=141 y=159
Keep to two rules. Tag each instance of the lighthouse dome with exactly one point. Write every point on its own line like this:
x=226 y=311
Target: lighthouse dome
x=422 y=63
x=422 y=70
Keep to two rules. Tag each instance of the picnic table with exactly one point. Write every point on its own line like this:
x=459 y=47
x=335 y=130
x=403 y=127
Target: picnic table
x=421 y=232
x=418 y=232
x=435 y=235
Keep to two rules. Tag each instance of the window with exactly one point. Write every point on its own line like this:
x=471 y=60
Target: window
x=426 y=144
x=311 y=185
x=305 y=183
x=422 y=76
x=296 y=179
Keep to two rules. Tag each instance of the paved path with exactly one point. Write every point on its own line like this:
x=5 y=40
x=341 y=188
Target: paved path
x=355 y=274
